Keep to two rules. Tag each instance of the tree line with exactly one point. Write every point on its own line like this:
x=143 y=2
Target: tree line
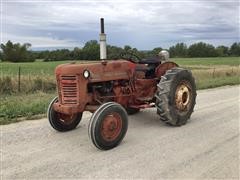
x=16 y=52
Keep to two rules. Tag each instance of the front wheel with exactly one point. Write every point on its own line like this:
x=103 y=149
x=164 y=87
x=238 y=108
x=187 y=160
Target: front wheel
x=108 y=126
x=62 y=122
x=176 y=96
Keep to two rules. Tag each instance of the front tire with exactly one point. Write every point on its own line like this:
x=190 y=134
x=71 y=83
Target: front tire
x=108 y=126
x=62 y=122
x=176 y=96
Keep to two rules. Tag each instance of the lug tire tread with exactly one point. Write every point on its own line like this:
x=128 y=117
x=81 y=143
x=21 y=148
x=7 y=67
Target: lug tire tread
x=163 y=94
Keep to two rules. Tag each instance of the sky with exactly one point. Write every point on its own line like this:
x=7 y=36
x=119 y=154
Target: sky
x=144 y=24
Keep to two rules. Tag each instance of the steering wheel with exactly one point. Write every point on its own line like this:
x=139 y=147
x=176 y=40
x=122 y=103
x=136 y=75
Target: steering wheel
x=130 y=56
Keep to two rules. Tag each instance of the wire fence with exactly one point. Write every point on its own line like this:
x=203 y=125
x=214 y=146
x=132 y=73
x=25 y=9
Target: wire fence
x=24 y=79
x=19 y=81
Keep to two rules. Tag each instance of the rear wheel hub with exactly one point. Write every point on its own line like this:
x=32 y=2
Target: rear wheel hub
x=183 y=96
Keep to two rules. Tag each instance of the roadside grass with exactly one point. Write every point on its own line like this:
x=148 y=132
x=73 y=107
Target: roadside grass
x=212 y=72
x=215 y=77
x=14 y=108
x=217 y=82
x=38 y=84
x=28 y=84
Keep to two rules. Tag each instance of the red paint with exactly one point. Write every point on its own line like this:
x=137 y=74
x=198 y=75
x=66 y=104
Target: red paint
x=118 y=81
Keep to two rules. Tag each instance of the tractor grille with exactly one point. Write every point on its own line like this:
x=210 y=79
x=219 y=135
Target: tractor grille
x=69 y=89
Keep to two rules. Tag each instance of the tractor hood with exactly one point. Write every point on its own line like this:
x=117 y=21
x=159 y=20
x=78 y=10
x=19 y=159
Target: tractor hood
x=99 y=71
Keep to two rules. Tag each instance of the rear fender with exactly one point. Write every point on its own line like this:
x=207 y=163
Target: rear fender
x=162 y=68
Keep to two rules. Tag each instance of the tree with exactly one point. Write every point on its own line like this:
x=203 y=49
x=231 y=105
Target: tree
x=16 y=52
x=222 y=51
x=201 y=50
x=130 y=52
x=156 y=51
x=1 y=55
x=151 y=53
x=59 y=55
x=235 y=49
x=127 y=48
x=179 y=50
x=91 y=50
x=42 y=54
x=77 y=53
x=114 y=52
x=138 y=53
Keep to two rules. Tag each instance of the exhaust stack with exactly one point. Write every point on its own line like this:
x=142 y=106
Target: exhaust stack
x=103 y=45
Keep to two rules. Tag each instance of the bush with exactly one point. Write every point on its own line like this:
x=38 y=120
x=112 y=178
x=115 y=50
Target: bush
x=6 y=85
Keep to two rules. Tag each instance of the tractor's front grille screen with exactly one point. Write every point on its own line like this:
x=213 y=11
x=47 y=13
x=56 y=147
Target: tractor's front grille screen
x=69 y=89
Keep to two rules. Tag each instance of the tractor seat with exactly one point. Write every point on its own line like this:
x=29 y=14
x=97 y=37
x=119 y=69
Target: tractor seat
x=148 y=70
x=149 y=61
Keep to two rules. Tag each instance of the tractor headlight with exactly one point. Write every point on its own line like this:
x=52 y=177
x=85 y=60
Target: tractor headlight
x=86 y=74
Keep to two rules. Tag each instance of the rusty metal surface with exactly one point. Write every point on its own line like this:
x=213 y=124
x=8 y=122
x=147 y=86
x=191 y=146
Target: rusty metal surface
x=183 y=96
x=111 y=127
x=99 y=72
x=66 y=109
x=145 y=89
x=120 y=81
x=66 y=118
x=72 y=86
x=162 y=68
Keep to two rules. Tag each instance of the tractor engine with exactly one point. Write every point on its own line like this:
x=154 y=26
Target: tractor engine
x=118 y=90
x=104 y=88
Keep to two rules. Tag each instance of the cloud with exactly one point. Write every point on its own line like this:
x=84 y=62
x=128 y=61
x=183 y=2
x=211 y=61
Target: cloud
x=142 y=24
x=42 y=42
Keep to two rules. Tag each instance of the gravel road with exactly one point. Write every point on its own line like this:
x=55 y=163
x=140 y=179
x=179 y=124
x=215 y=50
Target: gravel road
x=206 y=147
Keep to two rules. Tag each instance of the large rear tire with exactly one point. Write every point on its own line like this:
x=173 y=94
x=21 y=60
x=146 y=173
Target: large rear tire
x=108 y=126
x=176 y=96
x=62 y=122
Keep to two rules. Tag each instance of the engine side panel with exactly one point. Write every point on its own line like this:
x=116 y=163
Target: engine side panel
x=112 y=70
x=73 y=87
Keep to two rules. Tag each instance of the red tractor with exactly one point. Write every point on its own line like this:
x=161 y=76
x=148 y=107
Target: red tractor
x=115 y=88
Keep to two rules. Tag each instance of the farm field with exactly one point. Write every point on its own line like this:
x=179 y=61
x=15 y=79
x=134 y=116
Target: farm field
x=213 y=72
x=31 y=96
x=229 y=61
x=40 y=68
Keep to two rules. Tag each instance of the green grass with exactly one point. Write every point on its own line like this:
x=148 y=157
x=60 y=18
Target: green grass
x=212 y=72
x=39 y=76
x=14 y=108
x=38 y=68
x=217 y=82
x=229 y=61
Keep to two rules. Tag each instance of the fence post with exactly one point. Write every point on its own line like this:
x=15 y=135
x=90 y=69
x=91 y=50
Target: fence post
x=213 y=73
x=19 y=79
